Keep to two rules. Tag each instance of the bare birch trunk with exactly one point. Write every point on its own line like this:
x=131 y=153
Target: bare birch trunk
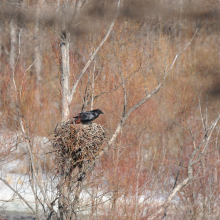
x=38 y=57
x=13 y=44
x=65 y=44
x=65 y=68
x=65 y=75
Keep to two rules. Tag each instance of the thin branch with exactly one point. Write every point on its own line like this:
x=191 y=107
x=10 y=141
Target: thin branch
x=161 y=84
x=93 y=55
x=25 y=75
x=125 y=94
x=19 y=195
x=191 y=162
x=206 y=138
x=93 y=85
x=27 y=136
x=39 y=19
x=202 y=119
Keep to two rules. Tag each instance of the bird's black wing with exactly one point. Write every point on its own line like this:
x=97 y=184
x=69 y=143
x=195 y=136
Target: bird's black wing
x=87 y=116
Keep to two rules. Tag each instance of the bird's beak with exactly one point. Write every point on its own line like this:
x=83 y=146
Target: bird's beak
x=102 y=112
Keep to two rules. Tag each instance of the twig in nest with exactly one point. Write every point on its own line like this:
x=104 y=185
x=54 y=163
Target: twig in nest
x=77 y=145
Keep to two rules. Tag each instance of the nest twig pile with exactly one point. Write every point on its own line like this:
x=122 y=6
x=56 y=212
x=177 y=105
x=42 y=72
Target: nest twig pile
x=77 y=145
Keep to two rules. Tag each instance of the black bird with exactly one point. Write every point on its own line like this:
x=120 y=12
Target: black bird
x=87 y=117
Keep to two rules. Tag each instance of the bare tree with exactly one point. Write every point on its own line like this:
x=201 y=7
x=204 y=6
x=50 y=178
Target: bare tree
x=52 y=189
x=68 y=93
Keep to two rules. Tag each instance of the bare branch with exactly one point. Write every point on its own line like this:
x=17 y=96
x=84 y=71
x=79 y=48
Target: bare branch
x=191 y=162
x=27 y=136
x=202 y=119
x=93 y=84
x=70 y=97
x=25 y=75
x=125 y=94
x=160 y=85
x=205 y=142
x=19 y=195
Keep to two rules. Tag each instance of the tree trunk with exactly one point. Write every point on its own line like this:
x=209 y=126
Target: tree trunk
x=65 y=75
x=65 y=70
x=64 y=46
x=38 y=57
x=13 y=44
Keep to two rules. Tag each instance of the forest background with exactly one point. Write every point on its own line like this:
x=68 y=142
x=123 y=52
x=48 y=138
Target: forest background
x=160 y=56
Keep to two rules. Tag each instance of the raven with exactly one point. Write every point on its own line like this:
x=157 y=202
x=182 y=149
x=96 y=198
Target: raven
x=87 y=117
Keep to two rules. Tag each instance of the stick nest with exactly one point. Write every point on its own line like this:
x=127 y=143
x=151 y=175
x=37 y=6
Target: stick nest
x=77 y=145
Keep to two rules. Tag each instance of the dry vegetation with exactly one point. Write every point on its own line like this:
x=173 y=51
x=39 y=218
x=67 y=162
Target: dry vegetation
x=76 y=146
x=151 y=153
